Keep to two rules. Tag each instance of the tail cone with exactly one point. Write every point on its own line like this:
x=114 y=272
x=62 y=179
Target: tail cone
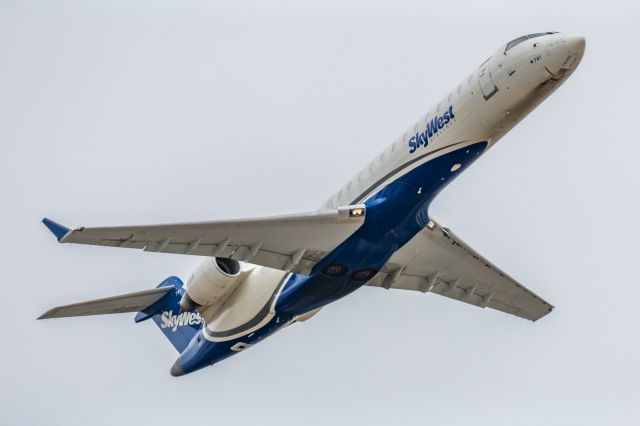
x=176 y=370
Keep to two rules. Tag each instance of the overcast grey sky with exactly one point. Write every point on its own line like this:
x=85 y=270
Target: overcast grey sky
x=128 y=112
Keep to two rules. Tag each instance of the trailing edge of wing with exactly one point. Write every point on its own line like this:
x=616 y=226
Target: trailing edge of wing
x=292 y=242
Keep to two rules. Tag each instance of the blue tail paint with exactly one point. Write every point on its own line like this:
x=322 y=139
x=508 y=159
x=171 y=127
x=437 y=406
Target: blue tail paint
x=179 y=328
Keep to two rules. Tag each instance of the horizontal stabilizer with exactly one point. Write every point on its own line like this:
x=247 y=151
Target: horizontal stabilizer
x=131 y=302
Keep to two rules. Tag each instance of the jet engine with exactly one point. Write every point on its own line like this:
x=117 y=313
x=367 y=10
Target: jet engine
x=212 y=281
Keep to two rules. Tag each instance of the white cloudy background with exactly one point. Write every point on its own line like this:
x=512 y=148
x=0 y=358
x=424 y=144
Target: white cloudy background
x=128 y=112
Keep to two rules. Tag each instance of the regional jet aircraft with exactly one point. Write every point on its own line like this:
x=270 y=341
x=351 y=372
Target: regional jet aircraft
x=260 y=275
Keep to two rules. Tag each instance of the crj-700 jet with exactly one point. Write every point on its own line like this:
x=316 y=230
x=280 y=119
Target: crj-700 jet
x=260 y=275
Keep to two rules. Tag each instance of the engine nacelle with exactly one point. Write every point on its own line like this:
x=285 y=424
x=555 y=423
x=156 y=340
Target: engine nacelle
x=211 y=282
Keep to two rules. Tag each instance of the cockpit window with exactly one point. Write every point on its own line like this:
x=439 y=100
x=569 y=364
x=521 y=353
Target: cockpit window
x=537 y=35
x=519 y=40
x=515 y=42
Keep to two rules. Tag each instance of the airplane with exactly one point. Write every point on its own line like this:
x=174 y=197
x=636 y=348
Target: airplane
x=260 y=275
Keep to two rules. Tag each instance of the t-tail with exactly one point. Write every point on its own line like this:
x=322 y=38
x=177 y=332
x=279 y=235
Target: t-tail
x=162 y=304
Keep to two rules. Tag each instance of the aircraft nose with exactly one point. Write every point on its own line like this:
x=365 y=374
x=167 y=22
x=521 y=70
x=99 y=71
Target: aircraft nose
x=576 y=44
x=565 y=54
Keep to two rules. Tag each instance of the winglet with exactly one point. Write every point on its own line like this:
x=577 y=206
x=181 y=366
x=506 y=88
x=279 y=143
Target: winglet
x=56 y=229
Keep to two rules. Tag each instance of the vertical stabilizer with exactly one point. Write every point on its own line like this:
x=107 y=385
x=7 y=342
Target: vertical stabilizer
x=179 y=328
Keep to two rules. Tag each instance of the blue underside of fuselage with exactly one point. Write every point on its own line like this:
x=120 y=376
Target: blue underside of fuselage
x=393 y=216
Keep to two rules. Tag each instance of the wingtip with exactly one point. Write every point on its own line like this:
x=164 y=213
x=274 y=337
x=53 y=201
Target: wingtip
x=45 y=315
x=56 y=229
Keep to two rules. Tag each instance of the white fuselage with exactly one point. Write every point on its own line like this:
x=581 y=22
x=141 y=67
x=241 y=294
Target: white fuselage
x=486 y=105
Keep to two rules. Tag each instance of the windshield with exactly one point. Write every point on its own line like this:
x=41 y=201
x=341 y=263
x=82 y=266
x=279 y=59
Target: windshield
x=519 y=40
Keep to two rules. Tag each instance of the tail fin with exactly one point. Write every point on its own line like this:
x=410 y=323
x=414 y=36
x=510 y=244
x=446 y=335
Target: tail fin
x=178 y=327
x=161 y=303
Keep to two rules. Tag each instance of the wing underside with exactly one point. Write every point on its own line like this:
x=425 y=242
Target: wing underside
x=438 y=261
x=293 y=243
x=435 y=260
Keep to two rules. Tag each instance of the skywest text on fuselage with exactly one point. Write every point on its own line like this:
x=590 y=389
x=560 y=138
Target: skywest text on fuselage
x=432 y=127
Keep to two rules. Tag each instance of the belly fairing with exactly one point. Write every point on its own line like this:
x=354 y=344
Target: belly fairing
x=394 y=215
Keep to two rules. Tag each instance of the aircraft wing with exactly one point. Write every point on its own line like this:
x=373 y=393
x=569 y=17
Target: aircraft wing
x=293 y=243
x=436 y=260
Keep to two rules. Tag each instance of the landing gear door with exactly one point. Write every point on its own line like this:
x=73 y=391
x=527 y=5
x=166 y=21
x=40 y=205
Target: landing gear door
x=485 y=79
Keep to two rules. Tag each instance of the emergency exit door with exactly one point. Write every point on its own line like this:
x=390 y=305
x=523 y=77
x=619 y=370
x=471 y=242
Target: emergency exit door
x=487 y=86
